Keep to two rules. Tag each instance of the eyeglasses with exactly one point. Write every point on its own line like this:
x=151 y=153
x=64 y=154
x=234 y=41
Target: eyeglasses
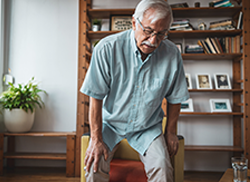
x=150 y=33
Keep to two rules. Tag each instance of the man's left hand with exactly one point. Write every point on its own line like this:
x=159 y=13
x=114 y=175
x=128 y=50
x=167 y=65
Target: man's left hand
x=172 y=143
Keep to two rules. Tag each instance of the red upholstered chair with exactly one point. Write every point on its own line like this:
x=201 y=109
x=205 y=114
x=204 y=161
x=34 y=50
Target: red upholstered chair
x=126 y=165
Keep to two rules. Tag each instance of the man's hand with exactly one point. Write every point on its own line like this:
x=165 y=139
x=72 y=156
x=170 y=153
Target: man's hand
x=95 y=150
x=172 y=143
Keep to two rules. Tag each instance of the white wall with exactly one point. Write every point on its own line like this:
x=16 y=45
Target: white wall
x=1 y=60
x=44 y=44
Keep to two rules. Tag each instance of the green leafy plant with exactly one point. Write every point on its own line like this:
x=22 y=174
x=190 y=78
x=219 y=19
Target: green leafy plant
x=96 y=22
x=24 y=97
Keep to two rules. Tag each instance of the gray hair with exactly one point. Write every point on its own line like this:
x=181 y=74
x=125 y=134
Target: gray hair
x=161 y=7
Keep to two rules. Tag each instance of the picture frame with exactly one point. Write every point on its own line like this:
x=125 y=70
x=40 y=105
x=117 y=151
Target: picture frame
x=188 y=80
x=220 y=105
x=120 y=22
x=187 y=106
x=179 y=46
x=222 y=81
x=203 y=81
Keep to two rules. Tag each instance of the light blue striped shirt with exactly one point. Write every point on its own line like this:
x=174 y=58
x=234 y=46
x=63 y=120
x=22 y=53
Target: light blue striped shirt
x=132 y=90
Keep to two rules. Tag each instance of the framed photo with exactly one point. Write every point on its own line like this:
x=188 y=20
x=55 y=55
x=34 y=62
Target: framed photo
x=203 y=81
x=179 y=46
x=187 y=106
x=188 y=80
x=120 y=22
x=222 y=81
x=220 y=105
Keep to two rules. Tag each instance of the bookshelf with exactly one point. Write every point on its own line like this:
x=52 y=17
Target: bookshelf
x=240 y=86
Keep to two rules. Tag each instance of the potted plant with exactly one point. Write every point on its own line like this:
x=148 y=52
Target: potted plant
x=96 y=25
x=18 y=104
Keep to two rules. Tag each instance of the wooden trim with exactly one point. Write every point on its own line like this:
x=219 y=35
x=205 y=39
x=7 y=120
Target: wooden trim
x=177 y=12
x=83 y=59
x=213 y=148
x=45 y=156
x=42 y=134
x=246 y=73
x=213 y=113
x=11 y=148
x=176 y=34
x=1 y=153
x=216 y=90
x=70 y=156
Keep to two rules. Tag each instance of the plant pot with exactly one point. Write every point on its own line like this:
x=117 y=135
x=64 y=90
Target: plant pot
x=17 y=120
x=96 y=28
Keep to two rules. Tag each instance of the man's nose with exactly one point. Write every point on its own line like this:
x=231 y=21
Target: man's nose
x=153 y=39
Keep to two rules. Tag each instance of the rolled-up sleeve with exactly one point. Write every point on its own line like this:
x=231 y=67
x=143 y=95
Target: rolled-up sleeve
x=178 y=91
x=97 y=79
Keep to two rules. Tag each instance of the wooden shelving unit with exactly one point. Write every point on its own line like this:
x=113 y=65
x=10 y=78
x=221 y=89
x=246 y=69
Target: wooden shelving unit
x=213 y=148
x=11 y=154
x=175 y=34
x=238 y=60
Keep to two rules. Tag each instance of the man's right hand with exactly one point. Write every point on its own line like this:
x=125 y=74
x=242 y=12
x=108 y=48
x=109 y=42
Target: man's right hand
x=95 y=150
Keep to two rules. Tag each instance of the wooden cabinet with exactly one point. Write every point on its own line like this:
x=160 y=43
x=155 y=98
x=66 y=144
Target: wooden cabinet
x=240 y=78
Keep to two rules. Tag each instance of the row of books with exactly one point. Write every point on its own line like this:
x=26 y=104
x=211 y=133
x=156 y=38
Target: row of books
x=220 y=45
x=181 y=25
x=221 y=3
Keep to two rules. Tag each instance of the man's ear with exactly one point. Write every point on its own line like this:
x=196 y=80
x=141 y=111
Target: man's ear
x=133 y=23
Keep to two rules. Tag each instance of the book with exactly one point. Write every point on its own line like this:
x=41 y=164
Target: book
x=219 y=1
x=184 y=21
x=215 y=45
x=226 y=5
x=239 y=24
x=210 y=45
x=222 y=23
x=226 y=27
x=202 y=44
x=194 y=49
x=217 y=41
x=220 y=4
x=179 y=26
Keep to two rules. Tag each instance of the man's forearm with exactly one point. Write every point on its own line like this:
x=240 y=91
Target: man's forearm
x=173 y=112
x=95 y=119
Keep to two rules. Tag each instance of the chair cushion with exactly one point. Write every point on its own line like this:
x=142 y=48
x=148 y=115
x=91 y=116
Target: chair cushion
x=127 y=171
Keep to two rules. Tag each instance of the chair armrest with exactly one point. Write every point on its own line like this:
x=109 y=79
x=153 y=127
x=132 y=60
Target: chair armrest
x=84 y=146
x=178 y=161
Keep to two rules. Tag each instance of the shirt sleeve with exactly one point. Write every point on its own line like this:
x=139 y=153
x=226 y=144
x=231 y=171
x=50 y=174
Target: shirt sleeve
x=178 y=91
x=97 y=79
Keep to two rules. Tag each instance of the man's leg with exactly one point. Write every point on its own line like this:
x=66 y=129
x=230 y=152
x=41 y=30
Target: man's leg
x=102 y=174
x=157 y=162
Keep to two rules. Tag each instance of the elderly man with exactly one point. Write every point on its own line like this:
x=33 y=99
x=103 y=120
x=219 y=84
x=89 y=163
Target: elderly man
x=130 y=74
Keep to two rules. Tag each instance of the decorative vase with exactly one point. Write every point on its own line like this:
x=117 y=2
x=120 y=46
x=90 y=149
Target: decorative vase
x=17 y=120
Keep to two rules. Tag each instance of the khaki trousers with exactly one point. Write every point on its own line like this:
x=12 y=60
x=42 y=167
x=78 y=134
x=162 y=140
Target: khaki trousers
x=156 y=162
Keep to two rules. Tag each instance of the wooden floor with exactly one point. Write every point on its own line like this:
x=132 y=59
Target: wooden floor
x=58 y=175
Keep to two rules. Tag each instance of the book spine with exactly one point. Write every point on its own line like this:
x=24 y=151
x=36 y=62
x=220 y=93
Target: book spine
x=215 y=45
x=219 y=45
x=200 y=44
x=210 y=45
x=206 y=46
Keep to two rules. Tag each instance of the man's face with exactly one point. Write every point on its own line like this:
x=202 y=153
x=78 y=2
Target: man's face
x=148 y=44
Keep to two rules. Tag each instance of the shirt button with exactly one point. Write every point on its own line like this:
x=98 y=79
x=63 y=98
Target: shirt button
x=134 y=105
x=131 y=121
